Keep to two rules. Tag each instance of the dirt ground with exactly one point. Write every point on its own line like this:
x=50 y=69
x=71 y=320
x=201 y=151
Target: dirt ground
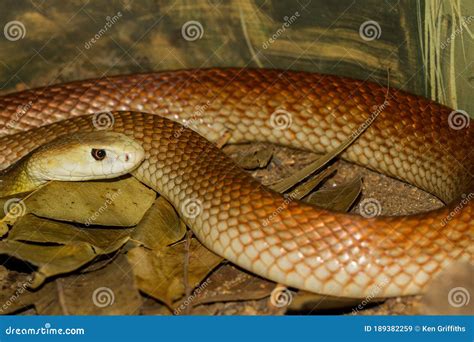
x=395 y=197
x=228 y=290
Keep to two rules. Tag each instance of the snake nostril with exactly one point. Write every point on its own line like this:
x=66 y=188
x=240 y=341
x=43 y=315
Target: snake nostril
x=127 y=157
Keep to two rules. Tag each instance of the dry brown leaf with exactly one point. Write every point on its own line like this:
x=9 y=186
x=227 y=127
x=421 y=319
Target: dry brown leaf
x=50 y=260
x=229 y=283
x=160 y=227
x=6 y=202
x=312 y=302
x=109 y=203
x=318 y=164
x=46 y=300
x=15 y=294
x=160 y=274
x=108 y=291
x=258 y=158
x=34 y=229
x=12 y=208
x=338 y=198
x=450 y=292
x=312 y=182
x=238 y=308
x=151 y=306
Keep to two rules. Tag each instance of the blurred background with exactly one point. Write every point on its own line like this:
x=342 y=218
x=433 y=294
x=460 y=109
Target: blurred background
x=427 y=45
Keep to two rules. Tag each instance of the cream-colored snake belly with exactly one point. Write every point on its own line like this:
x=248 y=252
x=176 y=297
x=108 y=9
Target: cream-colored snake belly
x=301 y=246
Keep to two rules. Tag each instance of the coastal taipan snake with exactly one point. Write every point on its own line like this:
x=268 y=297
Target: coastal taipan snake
x=339 y=254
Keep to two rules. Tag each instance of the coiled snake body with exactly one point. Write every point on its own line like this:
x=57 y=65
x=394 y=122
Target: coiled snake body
x=301 y=246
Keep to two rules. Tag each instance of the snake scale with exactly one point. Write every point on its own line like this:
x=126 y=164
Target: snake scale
x=287 y=241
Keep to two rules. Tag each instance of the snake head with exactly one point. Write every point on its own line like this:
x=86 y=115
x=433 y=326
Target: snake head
x=86 y=156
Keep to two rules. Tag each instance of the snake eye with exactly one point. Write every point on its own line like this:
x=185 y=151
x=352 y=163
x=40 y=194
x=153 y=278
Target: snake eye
x=98 y=154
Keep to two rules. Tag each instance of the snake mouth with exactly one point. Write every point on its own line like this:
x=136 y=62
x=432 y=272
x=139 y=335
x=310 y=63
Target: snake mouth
x=128 y=161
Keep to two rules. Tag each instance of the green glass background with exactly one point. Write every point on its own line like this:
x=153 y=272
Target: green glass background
x=148 y=37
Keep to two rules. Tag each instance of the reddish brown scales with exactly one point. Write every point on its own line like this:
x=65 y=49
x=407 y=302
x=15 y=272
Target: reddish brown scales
x=331 y=253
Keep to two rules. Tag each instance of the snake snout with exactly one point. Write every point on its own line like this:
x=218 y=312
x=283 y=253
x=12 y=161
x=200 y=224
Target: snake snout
x=87 y=156
x=134 y=156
